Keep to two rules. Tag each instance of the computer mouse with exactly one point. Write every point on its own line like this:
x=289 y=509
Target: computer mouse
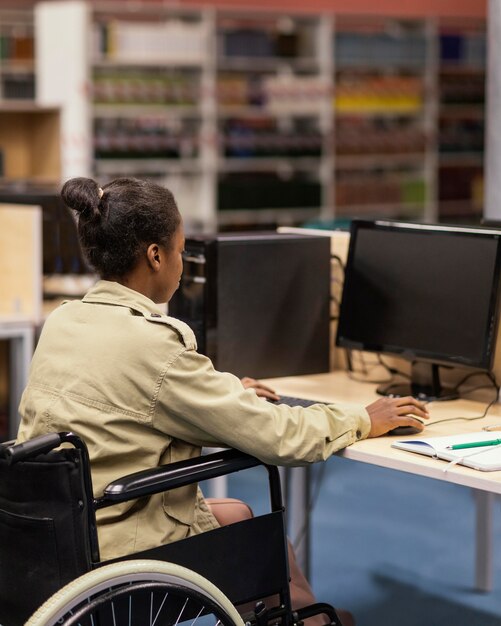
x=406 y=430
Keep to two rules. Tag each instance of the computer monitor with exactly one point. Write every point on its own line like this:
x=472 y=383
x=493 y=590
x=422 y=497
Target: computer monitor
x=427 y=293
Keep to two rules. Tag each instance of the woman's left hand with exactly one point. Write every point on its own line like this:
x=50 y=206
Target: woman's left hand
x=261 y=390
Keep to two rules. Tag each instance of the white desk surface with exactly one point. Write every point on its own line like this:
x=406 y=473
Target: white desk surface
x=338 y=386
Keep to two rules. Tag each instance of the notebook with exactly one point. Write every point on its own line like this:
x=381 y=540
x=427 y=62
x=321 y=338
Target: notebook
x=486 y=459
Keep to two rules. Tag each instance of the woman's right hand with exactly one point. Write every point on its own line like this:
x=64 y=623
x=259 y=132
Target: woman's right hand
x=388 y=413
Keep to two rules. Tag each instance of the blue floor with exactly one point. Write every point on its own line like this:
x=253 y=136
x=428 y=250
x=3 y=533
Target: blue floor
x=395 y=549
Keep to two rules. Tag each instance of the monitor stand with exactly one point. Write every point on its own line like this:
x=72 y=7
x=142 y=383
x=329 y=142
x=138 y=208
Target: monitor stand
x=424 y=384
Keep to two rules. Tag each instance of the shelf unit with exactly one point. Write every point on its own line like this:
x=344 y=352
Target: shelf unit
x=29 y=150
x=462 y=62
x=384 y=118
x=256 y=119
x=273 y=119
x=17 y=71
x=29 y=142
x=151 y=102
x=29 y=137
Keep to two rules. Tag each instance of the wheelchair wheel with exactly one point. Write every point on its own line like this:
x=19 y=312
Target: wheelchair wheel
x=138 y=592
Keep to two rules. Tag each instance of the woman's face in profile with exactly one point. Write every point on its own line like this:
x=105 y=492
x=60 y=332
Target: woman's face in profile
x=170 y=274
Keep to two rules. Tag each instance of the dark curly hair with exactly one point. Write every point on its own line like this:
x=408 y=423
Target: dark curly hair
x=118 y=222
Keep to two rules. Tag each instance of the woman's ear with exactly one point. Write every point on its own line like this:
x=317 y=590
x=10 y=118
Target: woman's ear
x=153 y=255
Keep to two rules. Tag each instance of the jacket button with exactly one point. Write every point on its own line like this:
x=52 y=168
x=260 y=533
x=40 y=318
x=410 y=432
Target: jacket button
x=156 y=315
x=358 y=434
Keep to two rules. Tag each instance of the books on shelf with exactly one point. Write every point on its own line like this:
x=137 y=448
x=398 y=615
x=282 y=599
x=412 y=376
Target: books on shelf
x=484 y=457
x=172 y=41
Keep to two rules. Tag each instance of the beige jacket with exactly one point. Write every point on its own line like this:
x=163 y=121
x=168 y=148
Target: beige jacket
x=127 y=378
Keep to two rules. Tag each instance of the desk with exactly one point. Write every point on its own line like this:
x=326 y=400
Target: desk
x=21 y=335
x=337 y=386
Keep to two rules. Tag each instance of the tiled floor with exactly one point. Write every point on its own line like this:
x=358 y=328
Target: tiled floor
x=395 y=549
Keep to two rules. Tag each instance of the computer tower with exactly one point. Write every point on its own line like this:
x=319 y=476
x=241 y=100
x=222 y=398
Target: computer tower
x=259 y=303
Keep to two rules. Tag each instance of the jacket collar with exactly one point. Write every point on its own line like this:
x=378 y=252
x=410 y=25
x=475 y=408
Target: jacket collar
x=109 y=292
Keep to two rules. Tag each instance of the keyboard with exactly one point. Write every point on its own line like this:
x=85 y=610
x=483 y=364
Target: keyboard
x=291 y=401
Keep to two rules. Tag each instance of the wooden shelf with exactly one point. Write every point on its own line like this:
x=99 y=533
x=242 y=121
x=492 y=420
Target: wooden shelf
x=461 y=159
x=21 y=261
x=159 y=62
x=266 y=64
x=146 y=166
x=461 y=111
x=15 y=66
x=262 y=112
x=30 y=142
x=364 y=161
x=123 y=110
x=379 y=112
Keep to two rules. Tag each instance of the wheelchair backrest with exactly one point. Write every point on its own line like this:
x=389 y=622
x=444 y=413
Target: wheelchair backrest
x=44 y=537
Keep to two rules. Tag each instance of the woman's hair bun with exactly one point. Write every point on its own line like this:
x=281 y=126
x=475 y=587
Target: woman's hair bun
x=82 y=195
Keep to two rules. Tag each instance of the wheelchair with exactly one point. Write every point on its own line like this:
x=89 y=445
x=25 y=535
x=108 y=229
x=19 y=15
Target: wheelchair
x=51 y=572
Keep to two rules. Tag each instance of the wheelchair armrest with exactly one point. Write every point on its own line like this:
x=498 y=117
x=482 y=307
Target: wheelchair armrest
x=179 y=474
x=39 y=445
x=4 y=446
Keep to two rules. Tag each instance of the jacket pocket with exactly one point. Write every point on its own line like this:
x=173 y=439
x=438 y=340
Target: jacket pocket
x=180 y=503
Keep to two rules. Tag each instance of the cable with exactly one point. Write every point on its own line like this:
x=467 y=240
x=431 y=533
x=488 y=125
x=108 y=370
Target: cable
x=349 y=360
x=366 y=369
x=386 y=390
x=335 y=257
x=392 y=370
x=489 y=405
x=464 y=417
x=367 y=365
x=471 y=374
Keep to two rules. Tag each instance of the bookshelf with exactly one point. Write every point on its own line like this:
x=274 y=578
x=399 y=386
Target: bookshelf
x=29 y=151
x=259 y=119
x=384 y=119
x=151 y=77
x=17 y=71
x=29 y=133
x=273 y=90
x=461 y=102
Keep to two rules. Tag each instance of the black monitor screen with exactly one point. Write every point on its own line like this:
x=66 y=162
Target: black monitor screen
x=423 y=292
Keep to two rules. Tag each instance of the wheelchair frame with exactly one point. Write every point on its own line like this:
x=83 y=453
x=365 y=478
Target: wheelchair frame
x=258 y=545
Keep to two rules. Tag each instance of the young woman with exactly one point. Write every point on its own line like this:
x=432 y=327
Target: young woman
x=128 y=379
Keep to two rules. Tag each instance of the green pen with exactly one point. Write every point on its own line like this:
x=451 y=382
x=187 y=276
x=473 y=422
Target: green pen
x=475 y=444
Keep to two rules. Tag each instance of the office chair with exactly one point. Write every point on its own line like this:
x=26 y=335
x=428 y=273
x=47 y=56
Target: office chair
x=49 y=548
